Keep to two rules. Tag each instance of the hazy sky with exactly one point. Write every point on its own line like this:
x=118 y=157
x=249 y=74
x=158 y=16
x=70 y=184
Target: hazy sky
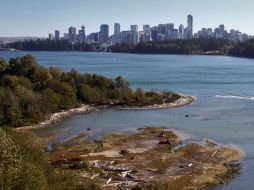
x=40 y=17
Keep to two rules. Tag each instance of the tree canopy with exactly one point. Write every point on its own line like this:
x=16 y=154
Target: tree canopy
x=29 y=92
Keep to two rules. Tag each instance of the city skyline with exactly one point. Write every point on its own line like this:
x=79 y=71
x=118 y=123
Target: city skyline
x=37 y=18
x=161 y=32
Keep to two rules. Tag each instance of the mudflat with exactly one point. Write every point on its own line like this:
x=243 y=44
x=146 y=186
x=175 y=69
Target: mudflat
x=151 y=158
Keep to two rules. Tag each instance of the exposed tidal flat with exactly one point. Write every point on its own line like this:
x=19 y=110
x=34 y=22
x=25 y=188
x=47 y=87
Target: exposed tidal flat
x=152 y=158
x=223 y=86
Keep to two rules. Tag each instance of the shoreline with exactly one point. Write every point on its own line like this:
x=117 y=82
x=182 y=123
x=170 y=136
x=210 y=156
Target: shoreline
x=59 y=116
x=86 y=109
x=183 y=101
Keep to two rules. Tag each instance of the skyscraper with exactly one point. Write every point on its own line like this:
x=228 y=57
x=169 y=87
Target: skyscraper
x=117 y=29
x=147 y=33
x=154 y=33
x=181 y=32
x=57 y=35
x=117 y=34
x=51 y=36
x=134 y=34
x=145 y=26
x=82 y=34
x=189 y=27
x=170 y=26
x=104 y=33
x=162 y=28
x=72 y=34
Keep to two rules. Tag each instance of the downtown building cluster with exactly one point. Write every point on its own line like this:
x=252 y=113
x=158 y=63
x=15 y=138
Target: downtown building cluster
x=162 y=32
x=222 y=33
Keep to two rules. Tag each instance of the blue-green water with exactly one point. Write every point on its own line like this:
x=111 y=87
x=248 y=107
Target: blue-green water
x=224 y=87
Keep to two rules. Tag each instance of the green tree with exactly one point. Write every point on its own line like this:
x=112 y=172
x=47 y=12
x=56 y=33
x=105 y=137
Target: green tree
x=3 y=66
x=121 y=83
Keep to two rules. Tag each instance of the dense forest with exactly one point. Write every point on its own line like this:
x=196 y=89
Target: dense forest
x=29 y=92
x=193 y=46
x=54 y=45
x=245 y=49
x=23 y=165
x=167 y=47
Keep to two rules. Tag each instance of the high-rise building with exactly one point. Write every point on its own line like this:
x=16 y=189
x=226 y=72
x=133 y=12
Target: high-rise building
x=222 y=27
x=145 y=26
x=82 y=34
x=66 y=36
x=154 y=33
x=93 y=37
x=116 y=39
x=190 y=27
x=170 y=26
x=104 y=33
x=57 y=35
x=134 y=28
x=126 y=37
x=117 y=29
x=72 y=34
x=181 y=32
x=162 y=28
x=209 y=32
x=134 y=34
x=147 y=33
x=51 y=36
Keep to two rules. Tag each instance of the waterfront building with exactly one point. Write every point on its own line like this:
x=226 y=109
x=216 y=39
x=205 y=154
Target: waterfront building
x=66 y=36
x=104 y=33
x=154 y=33
x=209 y=32
x=126 y=37
x=57 y=35
x=117 y=28
x=190 y=27
x=82 y=34
x=162 y=28
x=93 y=37
x=181 y=32
x=51 y=37
x=72 y=34
x=116 y=38
x=147 y=33
x=170 y=26
x=160 y=37
x=134 y=34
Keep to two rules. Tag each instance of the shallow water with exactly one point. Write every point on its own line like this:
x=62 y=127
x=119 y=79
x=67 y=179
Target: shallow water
x=223 y=111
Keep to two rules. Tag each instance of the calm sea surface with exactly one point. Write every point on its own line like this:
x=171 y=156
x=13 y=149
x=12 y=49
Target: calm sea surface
x=224 y=87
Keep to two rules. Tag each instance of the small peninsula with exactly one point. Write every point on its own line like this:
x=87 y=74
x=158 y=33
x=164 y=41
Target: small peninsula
x=31 y=94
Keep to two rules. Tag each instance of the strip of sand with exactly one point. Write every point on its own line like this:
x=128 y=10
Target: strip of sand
x=183 y=101
x=59 y=116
